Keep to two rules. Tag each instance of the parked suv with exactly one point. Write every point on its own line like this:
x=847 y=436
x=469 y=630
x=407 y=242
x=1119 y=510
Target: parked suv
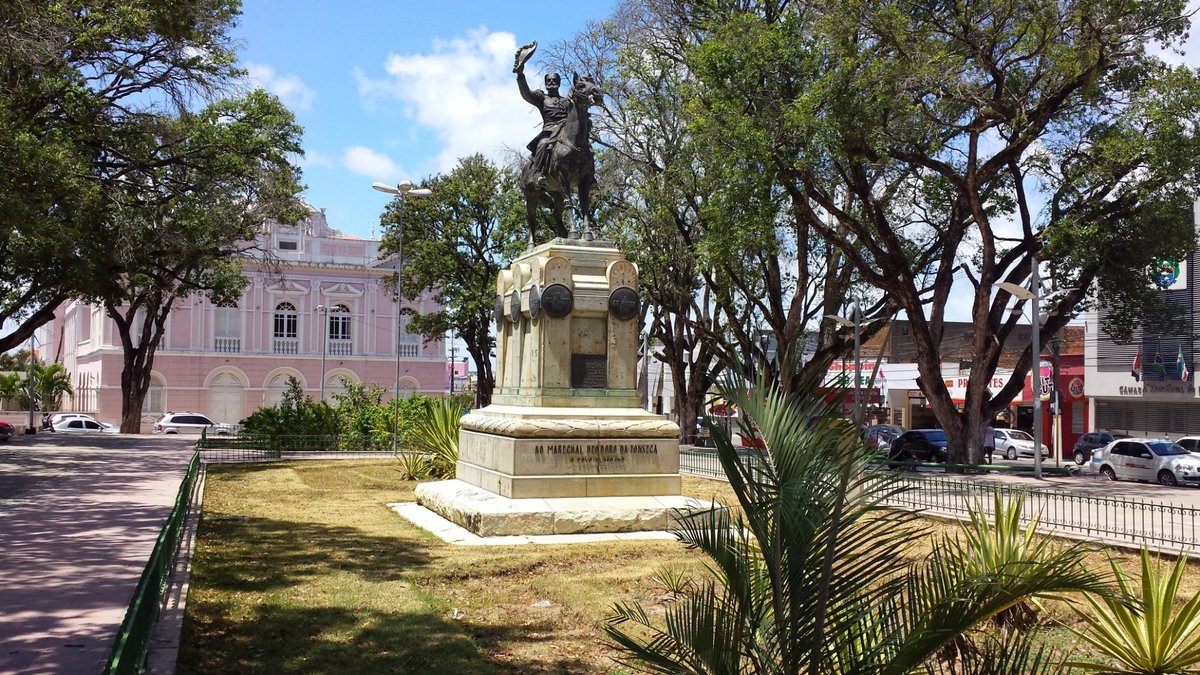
x=189 y=423
x=1088 y=443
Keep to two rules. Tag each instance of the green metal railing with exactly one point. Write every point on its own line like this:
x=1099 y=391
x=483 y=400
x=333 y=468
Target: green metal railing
x=1109 y=519
x=1121 y=520
x=128 y=653
x=250 y=448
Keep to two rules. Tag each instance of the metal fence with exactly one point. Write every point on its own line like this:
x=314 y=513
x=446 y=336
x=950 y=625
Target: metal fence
x=267 y=448
x=128 y=653
x=1121 y=521
x=1110 y=520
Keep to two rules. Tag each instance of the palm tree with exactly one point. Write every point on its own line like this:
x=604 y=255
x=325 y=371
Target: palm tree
x=813 y=578
x=50 y=382
x=11 y=388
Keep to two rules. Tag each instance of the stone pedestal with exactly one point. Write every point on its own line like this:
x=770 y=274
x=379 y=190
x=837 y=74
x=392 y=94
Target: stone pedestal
x=565 y=422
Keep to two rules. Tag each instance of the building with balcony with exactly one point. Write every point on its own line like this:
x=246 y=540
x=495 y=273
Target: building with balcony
x=316 y=310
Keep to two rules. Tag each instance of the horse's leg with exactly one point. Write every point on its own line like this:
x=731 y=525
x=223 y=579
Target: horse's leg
x=531 y=213
x=585 y=206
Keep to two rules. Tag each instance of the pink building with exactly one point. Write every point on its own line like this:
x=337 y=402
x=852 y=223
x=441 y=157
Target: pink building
x=228 y=361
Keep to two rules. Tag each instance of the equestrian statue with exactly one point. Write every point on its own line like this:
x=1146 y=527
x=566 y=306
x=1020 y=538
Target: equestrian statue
x=561 y=154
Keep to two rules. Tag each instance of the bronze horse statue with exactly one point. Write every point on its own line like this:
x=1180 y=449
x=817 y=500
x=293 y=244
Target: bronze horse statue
x=569 y=164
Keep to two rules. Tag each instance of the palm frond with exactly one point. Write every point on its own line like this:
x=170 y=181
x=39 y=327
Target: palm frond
x=1142 y=631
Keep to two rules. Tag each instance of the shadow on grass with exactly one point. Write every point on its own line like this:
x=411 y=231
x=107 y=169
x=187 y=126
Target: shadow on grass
x=272 y=596
x=326 y=640
x=258 y=554
x=275 y=639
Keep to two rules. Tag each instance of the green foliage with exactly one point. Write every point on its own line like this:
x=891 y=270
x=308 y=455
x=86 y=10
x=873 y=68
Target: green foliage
x=365 y=422
x=296 y=415
x=18 y=361
x=86 y=81
x=50 y=382
x=436 y=433
x=933 y=145
x=12 y=391
x=413 y=465
x=456 y=241
x=812 y=576
x=1144 y=630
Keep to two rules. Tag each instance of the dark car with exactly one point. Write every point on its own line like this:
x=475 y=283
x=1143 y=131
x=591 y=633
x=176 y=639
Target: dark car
x=1082 y=452
x=6 y=431
x=920 y=445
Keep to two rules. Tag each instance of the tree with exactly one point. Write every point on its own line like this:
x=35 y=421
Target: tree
x=811 y=576
x=76 y=76
x=933 y=146
x=50 y=382
x=455 y=242
x=728 y=268
x=195 y=189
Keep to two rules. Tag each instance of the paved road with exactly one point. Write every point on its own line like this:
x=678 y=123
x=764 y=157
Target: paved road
x=78 y=519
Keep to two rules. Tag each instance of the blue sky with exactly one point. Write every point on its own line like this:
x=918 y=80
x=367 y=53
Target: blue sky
x=388 y=91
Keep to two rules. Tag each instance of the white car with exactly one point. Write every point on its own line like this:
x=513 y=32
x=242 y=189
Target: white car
x=75 y=425
x=58 y=418
x=1013 y=443
x=189 y=423
x=1189 y=443
x=1148 y=459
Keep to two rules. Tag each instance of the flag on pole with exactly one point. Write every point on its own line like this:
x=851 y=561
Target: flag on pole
x=1157 y=367
x=1136 y=370
x=1183 y=369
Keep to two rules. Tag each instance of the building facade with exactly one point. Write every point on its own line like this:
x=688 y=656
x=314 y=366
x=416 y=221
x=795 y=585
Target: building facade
x=318 y=311
x=1147 y=386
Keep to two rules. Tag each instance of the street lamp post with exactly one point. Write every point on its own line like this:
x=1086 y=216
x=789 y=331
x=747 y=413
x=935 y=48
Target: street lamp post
x=856 y=323
x=324 y=343
x=1023 y=293
x=403 y=191
x=453 y=352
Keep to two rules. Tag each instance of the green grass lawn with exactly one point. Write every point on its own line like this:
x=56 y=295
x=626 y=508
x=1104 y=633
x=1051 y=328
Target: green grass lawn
x=301 y=567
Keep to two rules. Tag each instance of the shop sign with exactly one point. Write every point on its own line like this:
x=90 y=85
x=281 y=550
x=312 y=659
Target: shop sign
x=1075 y=387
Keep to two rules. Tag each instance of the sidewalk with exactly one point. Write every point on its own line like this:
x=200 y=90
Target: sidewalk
x=78 y=519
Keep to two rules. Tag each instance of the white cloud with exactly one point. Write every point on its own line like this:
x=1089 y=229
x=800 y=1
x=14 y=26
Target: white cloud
x=289 y=88
x=1187 y=52
x=463 y=92
x=313 y=159
x=365 y=161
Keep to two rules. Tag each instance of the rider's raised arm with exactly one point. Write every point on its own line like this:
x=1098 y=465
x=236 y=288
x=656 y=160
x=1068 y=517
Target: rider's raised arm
x=534 y=97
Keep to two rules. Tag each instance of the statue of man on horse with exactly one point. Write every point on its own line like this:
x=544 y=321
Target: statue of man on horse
x=561 y=154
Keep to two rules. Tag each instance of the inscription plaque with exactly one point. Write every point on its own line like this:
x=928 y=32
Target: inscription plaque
x=589 y=371
x=623 y=303
x=498 y=311
x=557 y=300
x=515 y=306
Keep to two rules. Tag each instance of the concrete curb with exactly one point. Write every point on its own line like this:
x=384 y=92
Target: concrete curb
x=168 y=628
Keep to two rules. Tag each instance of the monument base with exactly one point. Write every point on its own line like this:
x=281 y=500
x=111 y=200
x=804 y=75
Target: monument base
x=488 y=514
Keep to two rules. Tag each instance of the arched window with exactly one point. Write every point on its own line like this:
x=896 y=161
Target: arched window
x=227 y=328
x=286 y=341
x=155 y=401
x=339 y=331
x=407 y=343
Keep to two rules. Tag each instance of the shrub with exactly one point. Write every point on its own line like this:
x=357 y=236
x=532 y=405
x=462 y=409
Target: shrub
x=436 y=433
x=296 y=415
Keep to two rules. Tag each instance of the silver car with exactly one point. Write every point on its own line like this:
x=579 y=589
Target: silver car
x=1148 y=459
x=190 y=423
x=1013 y=443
